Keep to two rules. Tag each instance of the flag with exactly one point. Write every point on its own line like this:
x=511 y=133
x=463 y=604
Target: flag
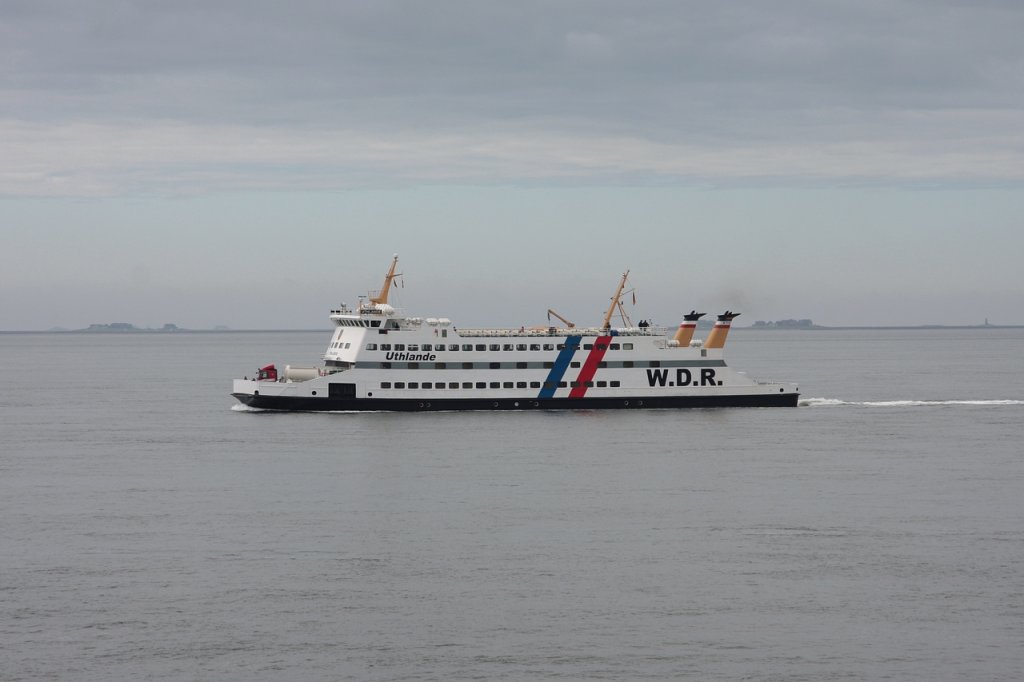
x=634 y=298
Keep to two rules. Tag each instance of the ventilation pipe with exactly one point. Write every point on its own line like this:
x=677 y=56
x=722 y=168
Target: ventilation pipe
x=686 y=328
x=716 y=339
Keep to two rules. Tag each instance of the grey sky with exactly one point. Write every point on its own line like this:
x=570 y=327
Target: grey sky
x=854 y=162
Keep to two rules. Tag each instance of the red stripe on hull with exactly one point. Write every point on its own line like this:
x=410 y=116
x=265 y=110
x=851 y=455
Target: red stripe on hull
x=590 y=366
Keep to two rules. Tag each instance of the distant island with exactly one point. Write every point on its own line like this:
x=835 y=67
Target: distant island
x=809 y=324
x=786 y=324
x=122 y=327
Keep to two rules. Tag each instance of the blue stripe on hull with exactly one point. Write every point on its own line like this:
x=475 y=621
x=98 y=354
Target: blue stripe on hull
x=572 y=344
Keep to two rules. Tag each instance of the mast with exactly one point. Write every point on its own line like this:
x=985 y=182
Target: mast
x=616 y=303
x=382 y=295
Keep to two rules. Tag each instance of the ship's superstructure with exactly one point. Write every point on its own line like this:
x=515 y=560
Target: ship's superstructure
x=381 y=359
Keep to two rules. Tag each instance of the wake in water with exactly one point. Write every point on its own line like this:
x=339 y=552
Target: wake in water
x=833 y=402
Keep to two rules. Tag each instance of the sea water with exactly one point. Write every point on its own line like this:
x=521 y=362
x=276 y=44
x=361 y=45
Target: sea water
x=152 y=532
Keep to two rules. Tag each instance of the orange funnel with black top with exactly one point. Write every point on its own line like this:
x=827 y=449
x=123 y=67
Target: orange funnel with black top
x=716 y=339
x=686 y=328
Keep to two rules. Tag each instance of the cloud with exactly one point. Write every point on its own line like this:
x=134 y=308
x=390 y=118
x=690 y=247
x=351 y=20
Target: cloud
x=106 y=98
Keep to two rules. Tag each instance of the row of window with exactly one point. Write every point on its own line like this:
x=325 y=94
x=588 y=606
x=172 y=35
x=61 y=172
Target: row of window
x=575 y=364
x=359 y=323
x=438 y=347
x=498 y=384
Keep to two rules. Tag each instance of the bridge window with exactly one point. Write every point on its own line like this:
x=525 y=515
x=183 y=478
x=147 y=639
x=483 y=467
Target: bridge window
x=399 y=346
x=371 y=346
x=385 y=346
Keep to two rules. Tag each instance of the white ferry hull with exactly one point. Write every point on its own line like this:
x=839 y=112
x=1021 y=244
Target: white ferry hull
x=311 y=404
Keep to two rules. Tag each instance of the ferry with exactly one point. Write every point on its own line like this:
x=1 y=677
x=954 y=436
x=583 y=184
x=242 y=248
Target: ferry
x=383 y=360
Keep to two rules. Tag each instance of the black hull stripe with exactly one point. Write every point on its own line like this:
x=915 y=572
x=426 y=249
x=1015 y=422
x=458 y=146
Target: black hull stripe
x=293 y=404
